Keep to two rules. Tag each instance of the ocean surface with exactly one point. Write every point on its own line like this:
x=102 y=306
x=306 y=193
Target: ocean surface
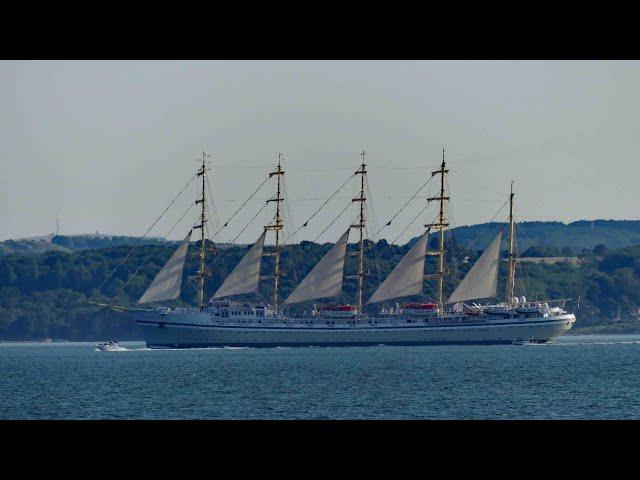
x=575 y=377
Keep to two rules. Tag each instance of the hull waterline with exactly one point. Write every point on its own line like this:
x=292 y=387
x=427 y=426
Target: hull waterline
x=193 y=330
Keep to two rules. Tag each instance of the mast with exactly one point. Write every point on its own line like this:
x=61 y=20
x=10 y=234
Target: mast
x=277 y=227
x=360 y=226
x=440 y=226
x=512 y=260
x=201 y=273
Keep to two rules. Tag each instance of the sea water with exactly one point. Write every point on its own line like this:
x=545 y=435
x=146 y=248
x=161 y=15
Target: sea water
x=574 y=377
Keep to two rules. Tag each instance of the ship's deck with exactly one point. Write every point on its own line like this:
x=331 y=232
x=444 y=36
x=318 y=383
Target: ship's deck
x=197 y=318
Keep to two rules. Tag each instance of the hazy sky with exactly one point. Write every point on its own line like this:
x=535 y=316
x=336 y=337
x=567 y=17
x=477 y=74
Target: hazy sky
x=107 y=145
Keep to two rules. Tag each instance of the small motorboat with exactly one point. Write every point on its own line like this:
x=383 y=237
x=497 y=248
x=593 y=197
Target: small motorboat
x=110 y=346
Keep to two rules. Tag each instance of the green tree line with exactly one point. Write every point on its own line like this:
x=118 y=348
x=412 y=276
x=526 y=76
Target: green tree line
x=46 y=295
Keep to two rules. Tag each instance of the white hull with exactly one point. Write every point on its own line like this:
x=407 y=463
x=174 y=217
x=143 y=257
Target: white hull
x=196 y=329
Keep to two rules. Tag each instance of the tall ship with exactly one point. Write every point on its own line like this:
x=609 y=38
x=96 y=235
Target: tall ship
x=221 y=321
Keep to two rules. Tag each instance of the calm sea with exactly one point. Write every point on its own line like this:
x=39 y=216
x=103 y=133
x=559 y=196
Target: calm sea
x=576 y=377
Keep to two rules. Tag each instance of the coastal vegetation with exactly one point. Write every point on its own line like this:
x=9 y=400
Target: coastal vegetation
x=47 y=295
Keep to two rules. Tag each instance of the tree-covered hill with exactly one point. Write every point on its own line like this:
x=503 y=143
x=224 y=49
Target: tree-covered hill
x=70 y=243
x=46 y=295
x=576 y=236
x=30 y=247
x=582 y=234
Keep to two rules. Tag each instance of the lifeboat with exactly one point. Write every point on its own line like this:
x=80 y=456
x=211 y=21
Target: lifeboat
x=336 y=310
x=525 y=310
x=421 y=309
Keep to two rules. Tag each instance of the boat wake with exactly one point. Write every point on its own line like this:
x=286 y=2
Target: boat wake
x=610 y=342
x=194 y=348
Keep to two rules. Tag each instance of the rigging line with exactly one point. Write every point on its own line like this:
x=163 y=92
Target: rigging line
x=191 y=205
x=491 y=220
x=372 y=218
x=412 y=222
x=321 y=207
x=293 y=254
x=240 y=207
x=518 y=278
x=216 y=258
x=449 y=240
x=479 y=185
x=373 y=165
x=334 y=169
x=243 y=166
x=207 y=232
x=518 y=253
x=332 y=222
x=402 y=208
x=318 y=199
x=329 y=169
x=286 y=211
x=143 y=237
x=213 y=211
x=146 y=260
x=252 y=219
x=373 y=264
x=519 y=265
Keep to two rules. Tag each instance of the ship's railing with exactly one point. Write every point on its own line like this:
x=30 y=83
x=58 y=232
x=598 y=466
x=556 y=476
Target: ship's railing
x=370 y=321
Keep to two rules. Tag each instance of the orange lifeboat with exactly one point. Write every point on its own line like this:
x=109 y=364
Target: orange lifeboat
x=421 y=309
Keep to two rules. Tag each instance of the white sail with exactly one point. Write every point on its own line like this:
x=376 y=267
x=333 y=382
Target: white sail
x=482 y=280
x=408 y=276
x=325 y=279
x=168 y=281
x=246 y=276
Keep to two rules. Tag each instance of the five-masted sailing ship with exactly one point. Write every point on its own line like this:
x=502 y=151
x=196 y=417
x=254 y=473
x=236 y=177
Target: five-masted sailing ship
x=223 y=321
